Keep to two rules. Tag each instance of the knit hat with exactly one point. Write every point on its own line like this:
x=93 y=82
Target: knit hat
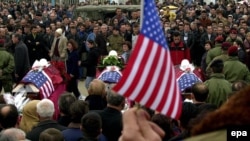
x=225 y=45
x=233 y=51
x=59 y=31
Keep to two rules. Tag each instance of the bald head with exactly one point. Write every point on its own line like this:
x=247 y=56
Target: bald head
x=200 y=91
x=8 y=116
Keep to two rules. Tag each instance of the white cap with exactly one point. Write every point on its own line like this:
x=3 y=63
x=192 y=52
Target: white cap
x=9 y=16
x=59 y=31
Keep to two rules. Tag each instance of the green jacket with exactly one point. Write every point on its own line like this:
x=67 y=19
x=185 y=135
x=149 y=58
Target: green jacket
x=6 y=64
x=223 y=57
x=115 y=43
x=214 y=52
x=219 y=89
x=235 y=70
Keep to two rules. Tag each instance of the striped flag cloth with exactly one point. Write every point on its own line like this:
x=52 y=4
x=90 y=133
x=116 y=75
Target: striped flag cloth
x=149 y=77
x=41 y=80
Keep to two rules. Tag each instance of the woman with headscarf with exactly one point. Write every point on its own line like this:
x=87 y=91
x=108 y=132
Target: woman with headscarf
x=29 y=116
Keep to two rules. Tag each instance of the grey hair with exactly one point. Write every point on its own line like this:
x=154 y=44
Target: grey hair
x=15 y=133
x=45 y=108
x=114 y=98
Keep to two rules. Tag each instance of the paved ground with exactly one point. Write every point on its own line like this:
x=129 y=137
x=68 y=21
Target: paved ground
x=82 y=89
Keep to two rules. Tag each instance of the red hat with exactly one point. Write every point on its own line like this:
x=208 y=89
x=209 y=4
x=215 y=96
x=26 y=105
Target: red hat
x=225 y=45
x=219 y=39
x=233 y=31
x=1 y=42
x=233 y=51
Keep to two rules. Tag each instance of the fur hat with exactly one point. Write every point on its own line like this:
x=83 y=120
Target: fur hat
x=233 y=51
x=59 y=31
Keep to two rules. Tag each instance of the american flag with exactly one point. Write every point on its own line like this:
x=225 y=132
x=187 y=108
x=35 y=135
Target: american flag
x=110 y=76
x=41 y=80
x=149 y=78
x=186 y=80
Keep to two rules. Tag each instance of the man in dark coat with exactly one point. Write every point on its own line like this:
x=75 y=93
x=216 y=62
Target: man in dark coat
x=35 y=45
x=101 y=40
x=112 y=116
x=21 y=57
x=48 y=40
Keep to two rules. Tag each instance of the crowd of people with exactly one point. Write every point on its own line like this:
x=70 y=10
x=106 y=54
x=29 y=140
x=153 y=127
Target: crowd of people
x=214 y=37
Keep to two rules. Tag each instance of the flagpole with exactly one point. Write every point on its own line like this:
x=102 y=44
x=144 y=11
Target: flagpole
x=141 y=13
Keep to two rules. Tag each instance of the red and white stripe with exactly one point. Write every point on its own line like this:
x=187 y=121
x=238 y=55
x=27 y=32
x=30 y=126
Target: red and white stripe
x=149 y=78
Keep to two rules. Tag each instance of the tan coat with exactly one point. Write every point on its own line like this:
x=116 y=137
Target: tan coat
x=62 y=48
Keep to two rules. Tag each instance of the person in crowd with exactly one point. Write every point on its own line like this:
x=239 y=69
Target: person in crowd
x=216 y=51
x=18 y=134
x=77 y=110
x=135 y=34
x=91 y=127
x=112 y=116
x=92 y=35
x=126 y=47
x=199 y=93
x=48 y=40
x=224 y=56
x=232 y=74
x=218 y=86
x=207 y=36
x=126 y=35
x=208 y=46
x=115 y=41
x=188 y=37
x=233 y=36
x=29 y=116
x=21 y=58
x=58 y=50
x=45 y=109
x=7 y=40
x=7 y=66
x=101 y=40
x=72 y=67
x=8 y=116
x=241 y=51
x=97 y=95
x=35 y=44
x=64 y=102
x=178 y=49
x=51 y=134
x=204 y=19
x=91 y=62
x=121 y=18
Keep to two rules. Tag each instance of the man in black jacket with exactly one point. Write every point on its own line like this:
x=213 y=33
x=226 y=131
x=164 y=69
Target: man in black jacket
x=112 y=116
